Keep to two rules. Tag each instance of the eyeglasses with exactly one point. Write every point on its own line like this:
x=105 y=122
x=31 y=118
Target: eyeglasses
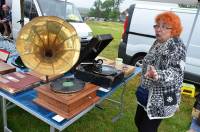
x=162 y=27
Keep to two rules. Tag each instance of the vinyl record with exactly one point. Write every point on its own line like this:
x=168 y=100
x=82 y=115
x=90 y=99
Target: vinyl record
x=67 y=85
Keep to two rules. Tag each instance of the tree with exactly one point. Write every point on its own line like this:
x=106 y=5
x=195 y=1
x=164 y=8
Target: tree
x=114 y=14
x=92 y=12
x=96 y=11
x=109 y=9
x=188 y=6
x=117 y=3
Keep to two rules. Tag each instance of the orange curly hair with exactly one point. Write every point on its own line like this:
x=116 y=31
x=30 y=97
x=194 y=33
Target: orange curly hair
x=172 y=20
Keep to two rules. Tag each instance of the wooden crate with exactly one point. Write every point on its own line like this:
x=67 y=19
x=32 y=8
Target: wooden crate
x=127 y=69
x=16 y=82
x=6 y=68
x=195 y=113
x=66 y=105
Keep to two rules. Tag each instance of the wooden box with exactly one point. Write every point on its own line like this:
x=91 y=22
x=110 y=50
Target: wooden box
x=195 y=113
x=6 y=68
x=127 y=69
x=16 y=82
x=66 y=105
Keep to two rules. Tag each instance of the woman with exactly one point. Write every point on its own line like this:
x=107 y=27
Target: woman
x=162 y=74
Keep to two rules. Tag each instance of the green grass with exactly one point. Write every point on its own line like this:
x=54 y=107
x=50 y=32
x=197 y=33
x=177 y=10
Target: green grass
x=101 y=120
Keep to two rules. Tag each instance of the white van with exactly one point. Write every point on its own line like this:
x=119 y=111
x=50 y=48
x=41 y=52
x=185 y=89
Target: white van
x=139 y=35
x=59 y=8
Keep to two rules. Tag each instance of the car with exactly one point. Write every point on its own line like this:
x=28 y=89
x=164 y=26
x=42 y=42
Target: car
x=59 y=8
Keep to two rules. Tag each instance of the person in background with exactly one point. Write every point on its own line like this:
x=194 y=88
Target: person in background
x=162 y=74
x=6 y=19
x=2 y=2
x=1 y=25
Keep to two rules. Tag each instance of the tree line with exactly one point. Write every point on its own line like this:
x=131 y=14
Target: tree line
x=108 y=9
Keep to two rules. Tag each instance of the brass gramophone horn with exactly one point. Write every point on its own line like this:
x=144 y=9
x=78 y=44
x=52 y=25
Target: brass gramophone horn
x=48 y=45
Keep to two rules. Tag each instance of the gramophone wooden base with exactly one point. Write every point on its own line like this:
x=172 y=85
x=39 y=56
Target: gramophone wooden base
x=66 y=105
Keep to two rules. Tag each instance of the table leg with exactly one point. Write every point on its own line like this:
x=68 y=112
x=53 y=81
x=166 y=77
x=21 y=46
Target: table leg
x=121 y=105
x=4 y=110
x=1 y=104
x=52 y=129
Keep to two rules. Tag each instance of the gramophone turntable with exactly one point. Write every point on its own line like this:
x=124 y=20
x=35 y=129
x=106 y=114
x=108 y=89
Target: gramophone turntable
x=94 y=71
x=104 y=75
x=67 y=85
x=51 y=46
x=98 y=67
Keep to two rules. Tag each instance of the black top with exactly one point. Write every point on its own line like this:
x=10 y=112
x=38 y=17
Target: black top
x=1 y=13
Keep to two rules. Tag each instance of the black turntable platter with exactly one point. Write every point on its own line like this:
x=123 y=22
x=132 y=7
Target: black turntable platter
x=105 y=70
x=67 y=85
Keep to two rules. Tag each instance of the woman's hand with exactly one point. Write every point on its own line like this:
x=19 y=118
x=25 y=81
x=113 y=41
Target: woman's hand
x=151 y=73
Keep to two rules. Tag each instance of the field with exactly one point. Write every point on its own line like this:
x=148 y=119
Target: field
x=99 y=120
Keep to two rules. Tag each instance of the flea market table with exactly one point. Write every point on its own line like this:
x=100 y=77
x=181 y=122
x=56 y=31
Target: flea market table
x=24 y=100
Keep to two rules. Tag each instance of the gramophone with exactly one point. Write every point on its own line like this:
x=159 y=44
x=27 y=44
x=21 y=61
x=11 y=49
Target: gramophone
x=50 y=46
x=93 y=70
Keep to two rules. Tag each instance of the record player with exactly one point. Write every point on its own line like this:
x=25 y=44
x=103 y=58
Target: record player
x=51 y=47
x=105 y=76
x=94 y=71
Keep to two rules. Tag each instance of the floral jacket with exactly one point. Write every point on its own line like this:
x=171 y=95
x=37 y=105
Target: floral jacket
x=164 y=94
